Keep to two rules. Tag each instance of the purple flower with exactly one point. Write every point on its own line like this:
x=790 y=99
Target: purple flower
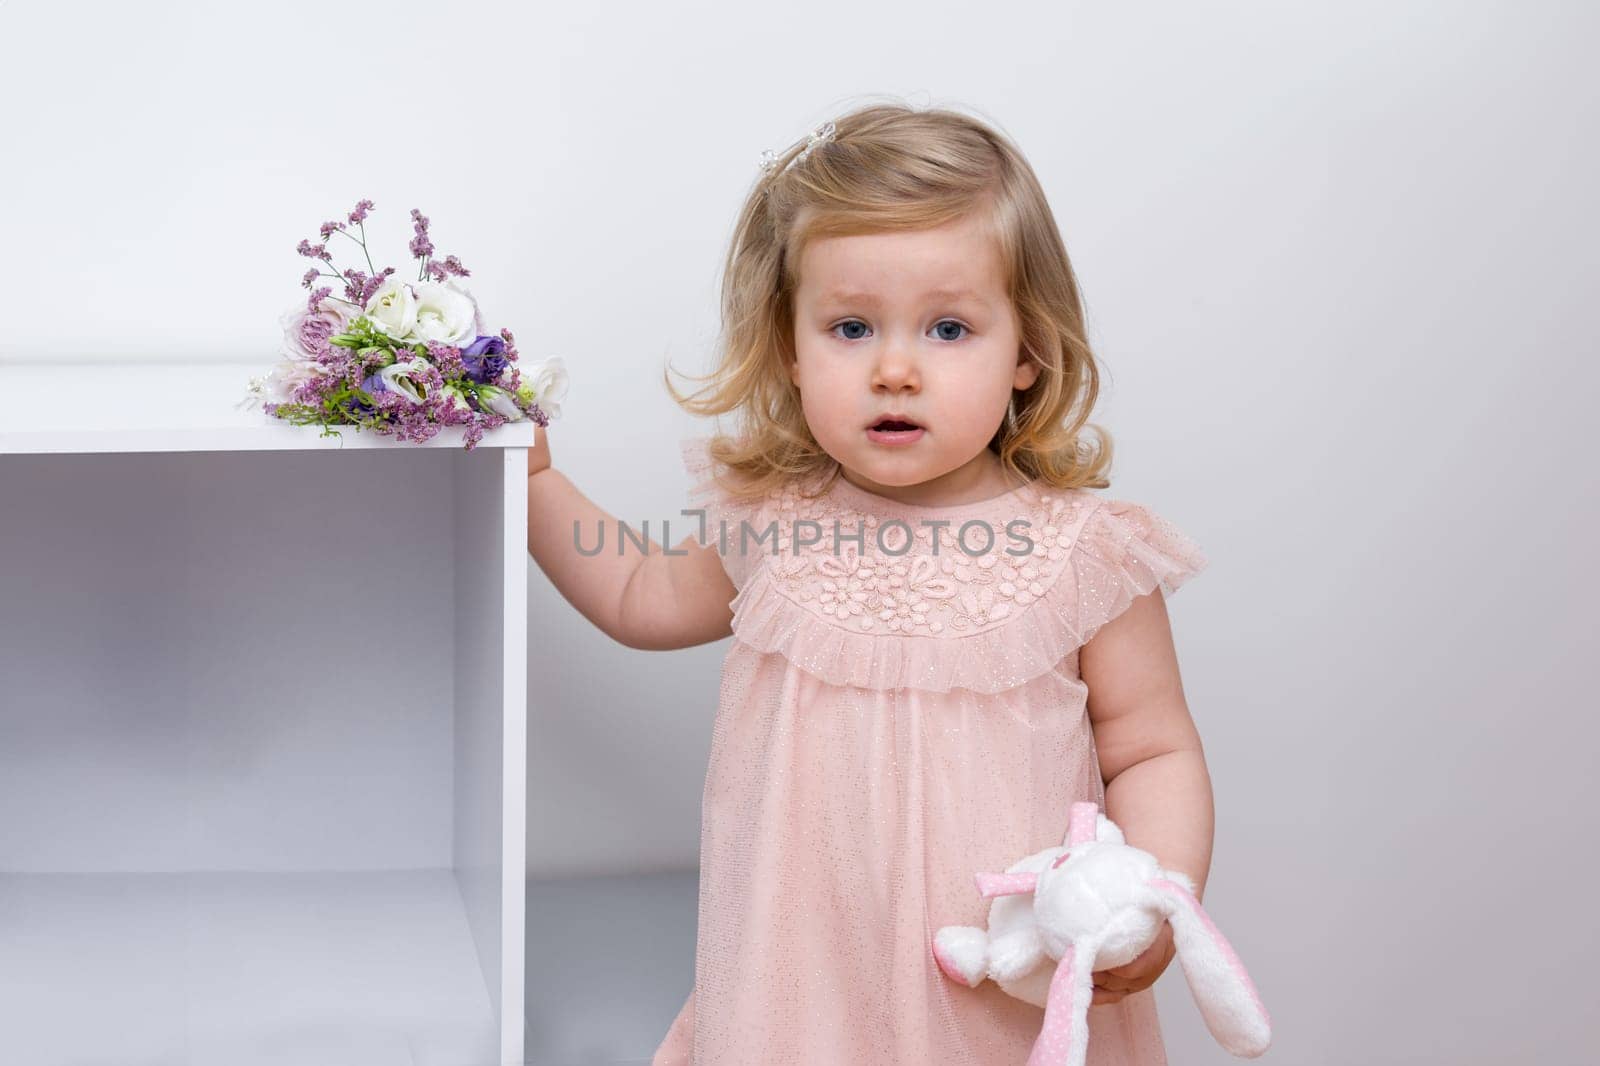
x=314 y=251
x=312 y=304
x=360 y=213
x=485 y=345
x=311 y=275
x=357 y=408
x=374 y=384
x=327 y=229
x=453 y=265
x=421 y=246
x=485 y=359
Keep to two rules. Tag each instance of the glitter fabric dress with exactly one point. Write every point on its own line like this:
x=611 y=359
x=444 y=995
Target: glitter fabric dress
x=892 y=721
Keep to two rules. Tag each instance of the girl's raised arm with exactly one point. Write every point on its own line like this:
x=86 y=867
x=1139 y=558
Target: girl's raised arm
x=651 y=601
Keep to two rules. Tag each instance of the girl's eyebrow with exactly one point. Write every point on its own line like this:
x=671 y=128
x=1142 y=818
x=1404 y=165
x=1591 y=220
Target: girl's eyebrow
x=851 y=296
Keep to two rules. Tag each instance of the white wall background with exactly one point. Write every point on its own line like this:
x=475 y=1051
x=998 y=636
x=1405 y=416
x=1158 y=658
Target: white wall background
x=1338 y=259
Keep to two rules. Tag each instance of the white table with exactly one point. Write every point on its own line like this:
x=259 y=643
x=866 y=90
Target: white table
x=262 y=731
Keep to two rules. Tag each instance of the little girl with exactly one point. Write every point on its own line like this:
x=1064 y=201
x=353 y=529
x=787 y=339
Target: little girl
x=943 y=638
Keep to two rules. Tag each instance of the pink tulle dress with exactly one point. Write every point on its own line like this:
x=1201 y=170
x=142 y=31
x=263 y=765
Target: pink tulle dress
x=890 y=724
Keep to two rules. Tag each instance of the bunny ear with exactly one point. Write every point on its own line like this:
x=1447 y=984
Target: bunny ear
x=1083 y=823
x=991 y=885
x=1064 y=1040
x=1223 y=991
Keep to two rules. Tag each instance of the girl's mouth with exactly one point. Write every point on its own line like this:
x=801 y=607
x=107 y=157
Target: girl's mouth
x=894 y=431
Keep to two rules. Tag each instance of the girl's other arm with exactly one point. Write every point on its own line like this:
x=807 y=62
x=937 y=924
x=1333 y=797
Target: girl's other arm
x=1158 y=789
x=649 y=601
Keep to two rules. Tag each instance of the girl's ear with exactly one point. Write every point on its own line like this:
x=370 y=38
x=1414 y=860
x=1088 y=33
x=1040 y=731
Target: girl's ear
x=1027 y=372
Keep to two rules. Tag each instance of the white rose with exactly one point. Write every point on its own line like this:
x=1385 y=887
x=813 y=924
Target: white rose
x=546 y=385
x=393 y=310
x=478 y=329
x=445 y=314
x=396 y=377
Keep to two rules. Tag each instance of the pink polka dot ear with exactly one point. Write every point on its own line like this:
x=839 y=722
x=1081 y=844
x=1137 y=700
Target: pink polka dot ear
x=1064 y=1040
x=991 y=885
x=1084 y=823
x=1222 y=989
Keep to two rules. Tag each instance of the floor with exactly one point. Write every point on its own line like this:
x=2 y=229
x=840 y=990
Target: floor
x=329 y=969
x=610 y=962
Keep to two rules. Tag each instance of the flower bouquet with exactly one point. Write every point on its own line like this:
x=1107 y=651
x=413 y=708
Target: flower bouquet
x=402 y=358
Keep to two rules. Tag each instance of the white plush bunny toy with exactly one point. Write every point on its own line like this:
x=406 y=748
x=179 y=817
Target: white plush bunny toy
x=1093 y=904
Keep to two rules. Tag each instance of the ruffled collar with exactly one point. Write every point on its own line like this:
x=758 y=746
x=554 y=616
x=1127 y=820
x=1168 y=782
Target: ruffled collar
x=956 y=617
x=847 y=494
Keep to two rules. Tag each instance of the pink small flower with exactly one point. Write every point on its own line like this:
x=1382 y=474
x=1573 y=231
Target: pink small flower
x=421 y=247
x=373 y=284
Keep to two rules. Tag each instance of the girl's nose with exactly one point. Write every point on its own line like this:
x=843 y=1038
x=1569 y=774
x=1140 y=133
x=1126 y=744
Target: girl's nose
x=896 y=368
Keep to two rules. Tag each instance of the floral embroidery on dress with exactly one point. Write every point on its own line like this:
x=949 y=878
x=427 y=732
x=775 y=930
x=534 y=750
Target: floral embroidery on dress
x=929 y=591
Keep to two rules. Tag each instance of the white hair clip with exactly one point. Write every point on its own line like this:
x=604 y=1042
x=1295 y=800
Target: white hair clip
x=769 y=158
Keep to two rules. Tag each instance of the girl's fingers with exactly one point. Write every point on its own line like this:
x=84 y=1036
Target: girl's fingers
x=1108 y=988
x=539 y=454
x=1112 y=982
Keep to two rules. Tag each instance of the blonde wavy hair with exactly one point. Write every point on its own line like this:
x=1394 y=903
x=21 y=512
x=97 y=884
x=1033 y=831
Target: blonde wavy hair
x=891 y=167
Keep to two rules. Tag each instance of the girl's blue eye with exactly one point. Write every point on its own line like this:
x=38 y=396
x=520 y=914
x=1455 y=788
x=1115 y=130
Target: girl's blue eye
x=849 y=323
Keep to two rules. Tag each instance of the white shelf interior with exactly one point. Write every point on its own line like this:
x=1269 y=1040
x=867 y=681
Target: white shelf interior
x=371 y=968
x=262 y=750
